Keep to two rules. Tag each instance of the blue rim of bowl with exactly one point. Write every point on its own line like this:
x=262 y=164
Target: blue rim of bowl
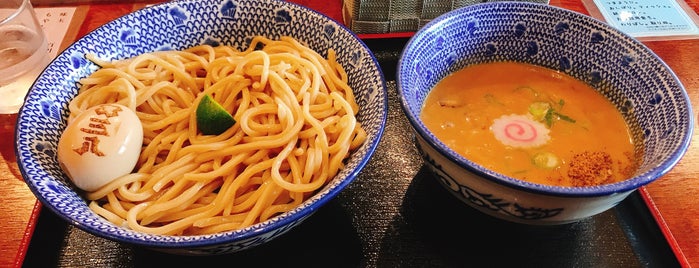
x=306 y=209
x=592 y=191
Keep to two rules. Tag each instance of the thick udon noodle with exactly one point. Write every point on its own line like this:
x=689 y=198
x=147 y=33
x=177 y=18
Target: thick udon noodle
x=295 y=126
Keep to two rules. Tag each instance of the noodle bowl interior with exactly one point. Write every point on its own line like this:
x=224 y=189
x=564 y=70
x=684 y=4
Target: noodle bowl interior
x=295 y=126
x=531 y=123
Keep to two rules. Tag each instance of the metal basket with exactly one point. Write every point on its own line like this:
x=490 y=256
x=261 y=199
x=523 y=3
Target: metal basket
x=392 y=16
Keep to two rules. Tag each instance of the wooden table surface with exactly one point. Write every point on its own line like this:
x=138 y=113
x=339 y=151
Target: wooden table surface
x=672 y=198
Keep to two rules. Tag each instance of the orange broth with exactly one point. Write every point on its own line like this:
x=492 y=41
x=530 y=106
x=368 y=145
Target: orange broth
x=531 y=123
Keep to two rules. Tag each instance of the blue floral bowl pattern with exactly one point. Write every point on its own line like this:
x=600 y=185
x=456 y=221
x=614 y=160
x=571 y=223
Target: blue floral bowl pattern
x=172 y=26
x=639 y=83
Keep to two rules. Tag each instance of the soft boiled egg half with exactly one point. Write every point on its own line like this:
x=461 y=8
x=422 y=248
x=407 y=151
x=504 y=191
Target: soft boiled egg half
x=101 y=144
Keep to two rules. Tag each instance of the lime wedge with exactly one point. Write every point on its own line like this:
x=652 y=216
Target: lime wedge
x=212 y=118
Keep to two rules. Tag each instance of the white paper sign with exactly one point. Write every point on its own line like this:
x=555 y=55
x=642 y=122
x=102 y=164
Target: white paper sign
x=55 y=22
x=648 y=18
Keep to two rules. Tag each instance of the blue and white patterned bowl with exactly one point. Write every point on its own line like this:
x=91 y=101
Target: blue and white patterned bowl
x=178 y=25
x=621 y=68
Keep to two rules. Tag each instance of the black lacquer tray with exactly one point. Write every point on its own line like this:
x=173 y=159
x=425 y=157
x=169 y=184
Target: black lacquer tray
x=394 y=214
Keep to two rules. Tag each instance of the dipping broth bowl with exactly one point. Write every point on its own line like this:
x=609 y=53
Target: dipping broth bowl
x=643 y=88
x=177 y=25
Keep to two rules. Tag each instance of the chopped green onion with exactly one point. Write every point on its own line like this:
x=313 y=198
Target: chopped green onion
x=545 y=160
x=538 y=110
x=545 y=112
x=565 y=117
x=548 y=118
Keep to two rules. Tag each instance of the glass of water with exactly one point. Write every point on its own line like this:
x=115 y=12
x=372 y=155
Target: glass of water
x=23 y=52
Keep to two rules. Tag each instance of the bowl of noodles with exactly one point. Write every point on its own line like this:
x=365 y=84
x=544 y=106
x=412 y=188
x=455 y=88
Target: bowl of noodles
x=305 y=98
x=540 y=115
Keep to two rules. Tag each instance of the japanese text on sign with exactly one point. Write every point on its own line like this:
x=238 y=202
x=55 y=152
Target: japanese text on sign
x=55 y=22
x=647 y=17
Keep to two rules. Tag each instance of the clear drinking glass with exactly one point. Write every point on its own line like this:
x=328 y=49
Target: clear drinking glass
x=23 y=52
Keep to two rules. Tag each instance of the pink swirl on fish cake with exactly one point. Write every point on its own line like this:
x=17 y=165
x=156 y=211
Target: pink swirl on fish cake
x=520 y=131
